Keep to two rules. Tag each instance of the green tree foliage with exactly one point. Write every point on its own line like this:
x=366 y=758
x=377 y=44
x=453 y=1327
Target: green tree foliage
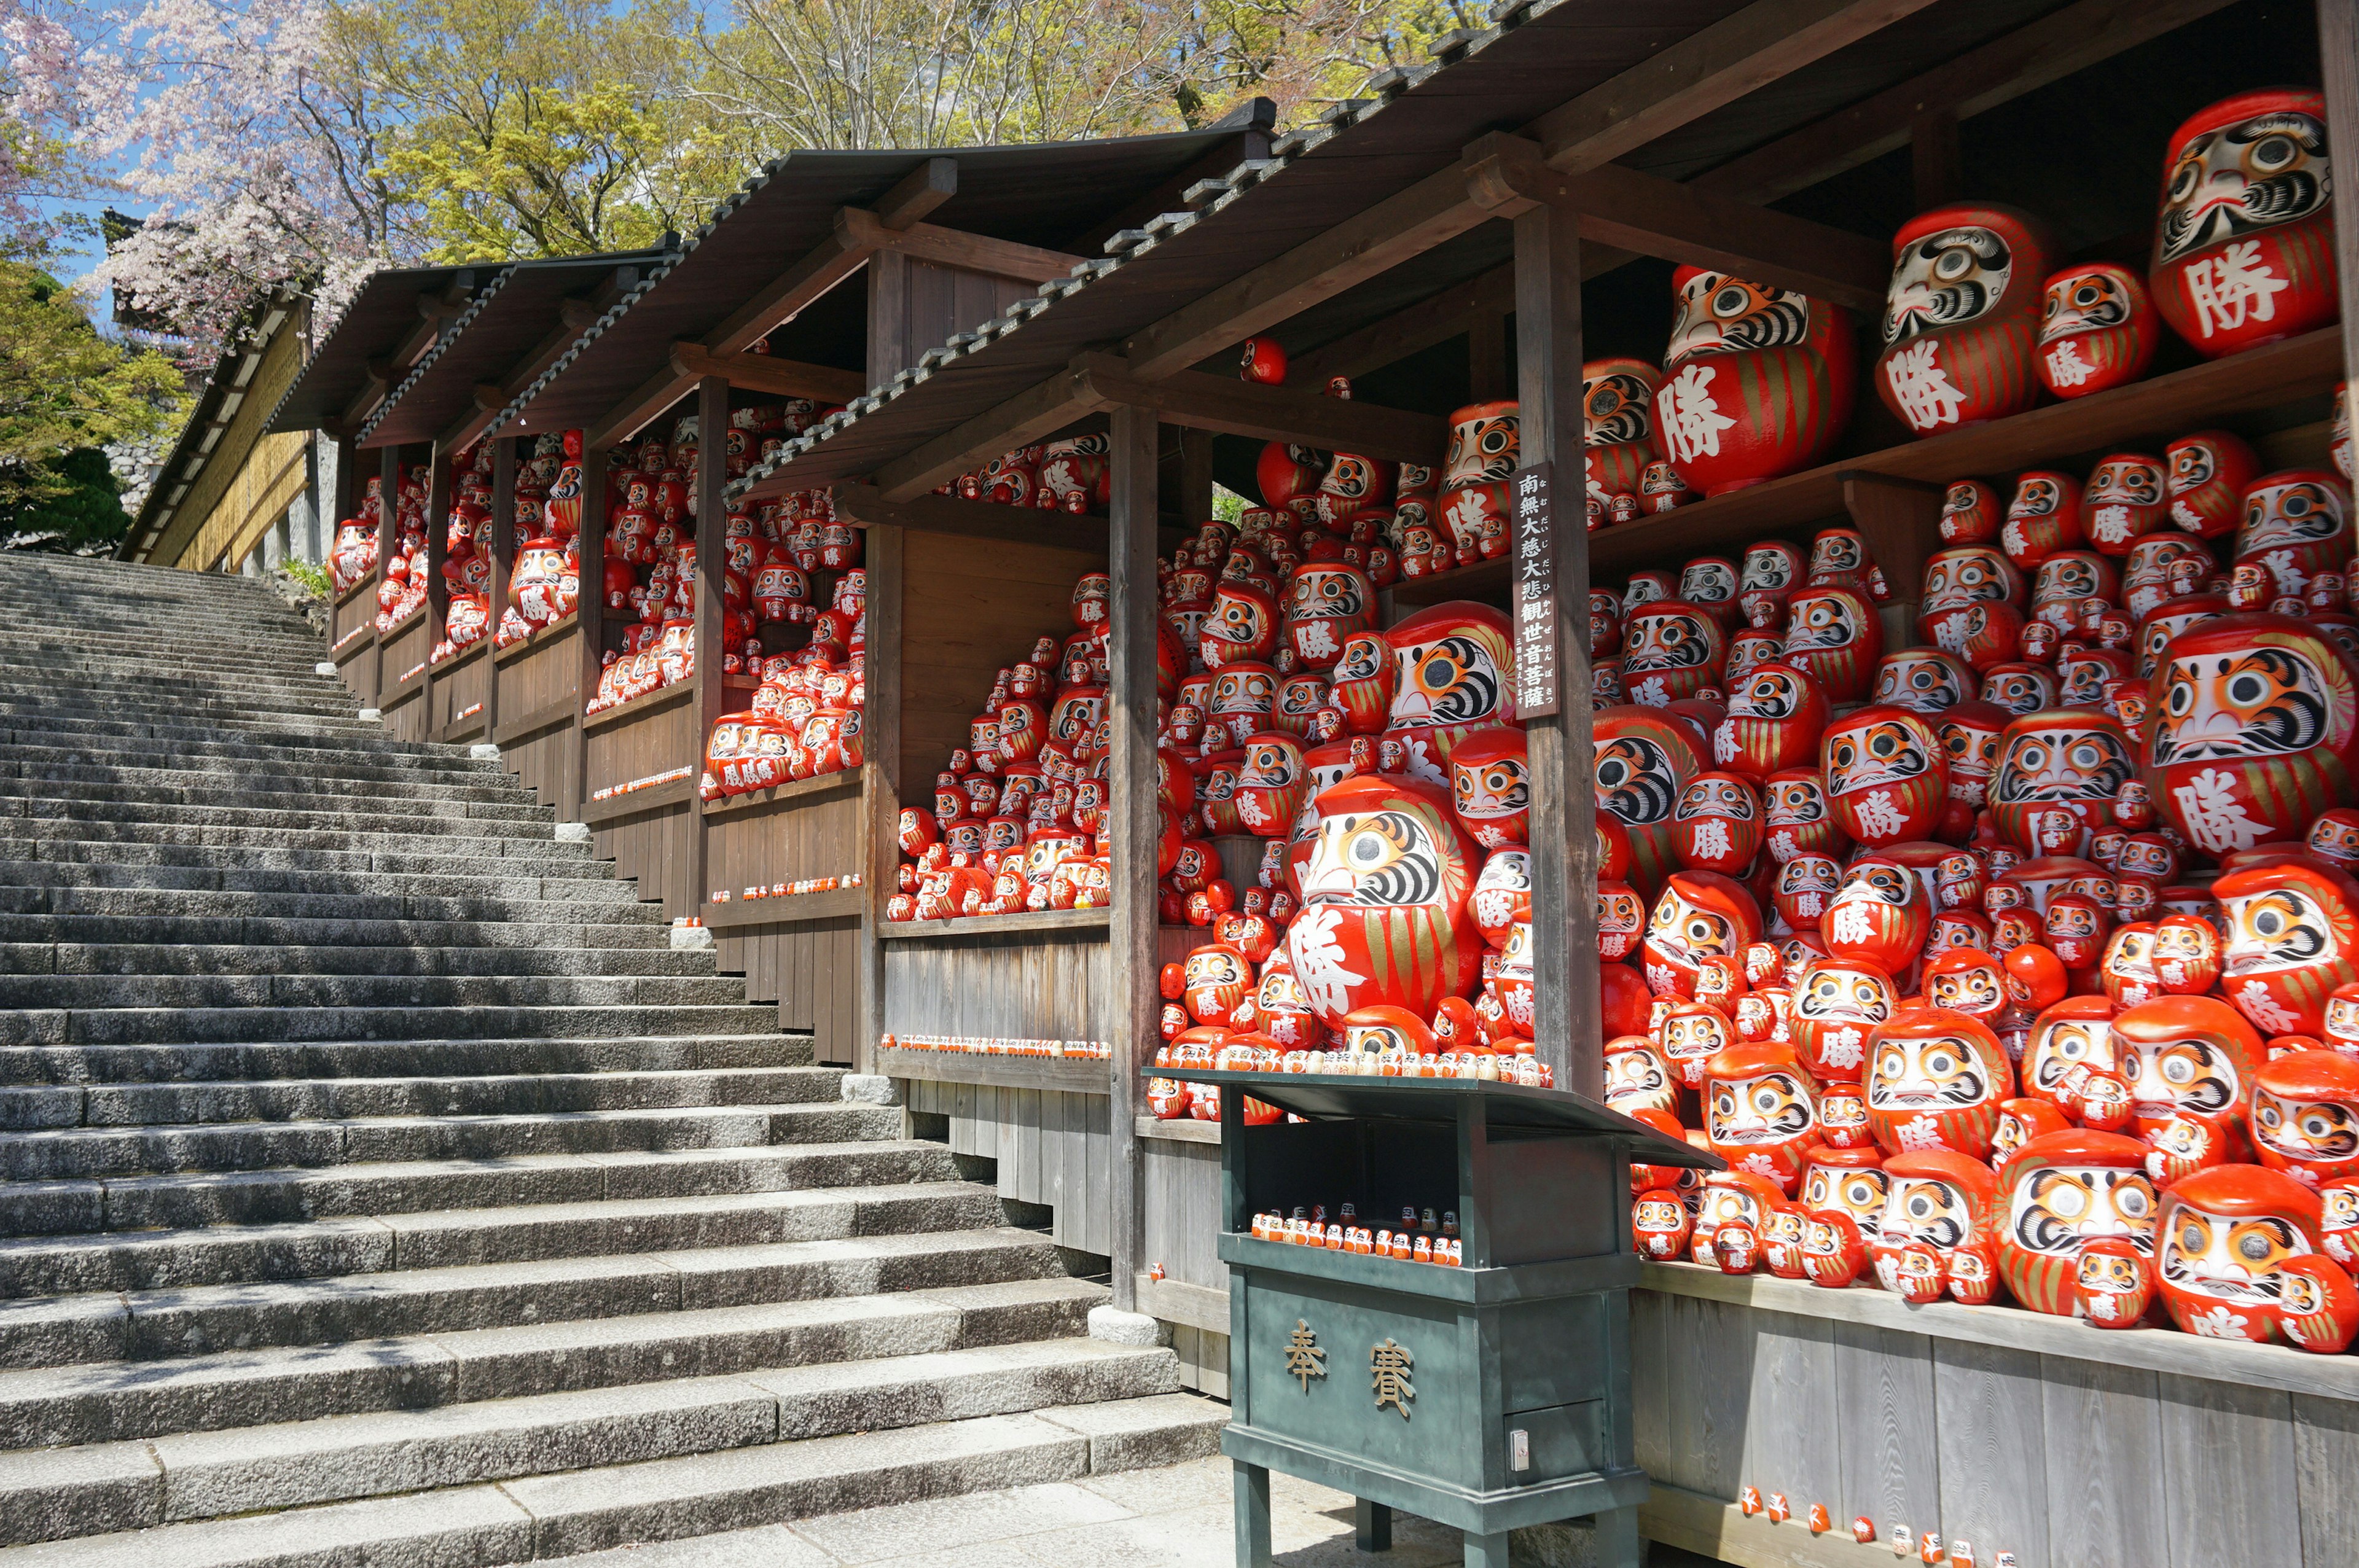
x=64 y=389
x=506 y=128
x=83 y=510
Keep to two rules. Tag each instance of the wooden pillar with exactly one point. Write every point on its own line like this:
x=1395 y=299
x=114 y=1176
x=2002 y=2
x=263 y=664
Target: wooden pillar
x=1486 y=355
x=389 y=503
x=880 y=769
x=504 y=549
x=1937 y=167
x=1563 y=770
x=1131 y=803
x=590 y=616
x=1901 y=522
x=711 y=576
x=438 y=588
x=1195 y=478
x=2338 y=48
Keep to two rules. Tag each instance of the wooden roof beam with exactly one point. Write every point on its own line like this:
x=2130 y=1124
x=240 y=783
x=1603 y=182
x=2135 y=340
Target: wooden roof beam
x=954 y=247
x=1203 y=401
x=2030 y=57
x=1027 y=418
x=1408 y=223
x=823 y=266
x=377 y=382
x=1703 y=72
x=919 y=192
x=575 y=316
x=1434 y=320
x=1652 y=216
x=769 y=374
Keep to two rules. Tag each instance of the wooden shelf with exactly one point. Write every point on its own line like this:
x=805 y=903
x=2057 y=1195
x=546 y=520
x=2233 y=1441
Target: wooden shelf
x=2017 y=1328
x=355 y=648
x=461 y=659
x=1093 y=920
x=1076 y=1076
x=614 y=808
x=555 y=632
x=1183 y=1130
x=2150 y=411
x=366 y=585
x=795 y=792
x=1176 y=1300
x=741 y=913
x=660 y=700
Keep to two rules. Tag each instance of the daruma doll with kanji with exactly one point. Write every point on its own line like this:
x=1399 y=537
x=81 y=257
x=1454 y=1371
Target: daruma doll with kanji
x=1643 y=760
x=1961 y=316
x=2243 y=253
x=2252 y=731
x=1757 y=382
x=1384 y=917
x=1454 y=673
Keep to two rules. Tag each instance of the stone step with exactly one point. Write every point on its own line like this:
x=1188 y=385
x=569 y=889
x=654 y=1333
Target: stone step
x=165 y=1025
x=69 y=1492
x=494 y=858
x=80 y=992
x=178 y=784
x=97 y=1152
x=26 y=1108
x=248 y=1061
x=248 y=871
x=456 y=1237
x=351 y=833
x=97 y=896
x=381 y=815
x=557 y=959
x=243 y=759
x=156 y=1325
x=301 y=1194
x=111 y=1402
x=323 y=938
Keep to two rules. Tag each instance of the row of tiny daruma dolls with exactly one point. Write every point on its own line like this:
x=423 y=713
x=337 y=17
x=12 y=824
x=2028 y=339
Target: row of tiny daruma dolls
x=2077 y=1018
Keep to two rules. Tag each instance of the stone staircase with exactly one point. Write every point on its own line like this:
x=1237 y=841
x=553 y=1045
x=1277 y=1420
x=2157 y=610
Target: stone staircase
x=378 y=1184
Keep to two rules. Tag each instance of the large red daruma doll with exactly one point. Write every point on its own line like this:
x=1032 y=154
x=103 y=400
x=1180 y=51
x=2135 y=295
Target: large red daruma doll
x=1757 y=382
x=1454 y=669
x=1384 y=917
x=2062 y=1191
x=1961 y=316
x=1616 y=399
x=2244 y=251
x=2071 y=758
x=2252 y=731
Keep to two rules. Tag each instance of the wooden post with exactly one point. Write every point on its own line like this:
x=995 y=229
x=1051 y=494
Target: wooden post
x=504 y=545
x=437 y=586
x=1486 y=355
x=389 y=503
x=590 y=616
x=1901 y=523
x=711 y=577
x=1131 y=803
x=1195 y=478
x=1563 y=830
x=880 y=768
x=2338 y=48
x=1935 y=163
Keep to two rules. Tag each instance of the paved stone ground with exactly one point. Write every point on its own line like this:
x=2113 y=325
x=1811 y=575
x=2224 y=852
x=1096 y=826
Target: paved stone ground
x=1173 y=1518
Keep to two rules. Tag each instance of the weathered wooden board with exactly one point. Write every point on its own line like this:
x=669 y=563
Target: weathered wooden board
x=1047 y=1143
x=1991 y=1446
x=460 y=685
x=1180 y=1193
x=2228 y=1470
x=2101 y=1439
x=1025 y=986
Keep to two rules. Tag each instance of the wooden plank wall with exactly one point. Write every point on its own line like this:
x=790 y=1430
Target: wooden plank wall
x=811 y=969
x=459 y=685
x=545 y=677
x=1053 y=1147
x=650 y=848
x=1032 y=985
x=2064 y=1462
x=970 y=608
x=915 y=305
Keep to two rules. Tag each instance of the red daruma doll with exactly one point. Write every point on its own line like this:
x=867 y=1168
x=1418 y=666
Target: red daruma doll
x=2244 y=252
x=1385 y=918
x=2098 y=330
x=1757 y=382
x=1961 y=317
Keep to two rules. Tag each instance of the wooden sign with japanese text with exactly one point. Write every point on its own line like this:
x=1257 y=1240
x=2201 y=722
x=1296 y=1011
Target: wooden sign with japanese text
x=1534 y=598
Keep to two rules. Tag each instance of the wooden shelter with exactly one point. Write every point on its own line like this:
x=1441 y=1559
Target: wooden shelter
x=1480 y=226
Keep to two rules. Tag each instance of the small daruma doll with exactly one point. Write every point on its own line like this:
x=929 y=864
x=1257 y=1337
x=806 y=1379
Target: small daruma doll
x=1935 y=1079
x=1717 y=824
x=1886 y=775
x=2252 y=731
x=1961 y=316
x=1757 y=382
x=1838 y=1007
x=1879 y=916
x=1491 y=786
x=2062 y=1191
x=1383 y=917
x=2221 y=1241
x=1760 y=1111
x=1643 y=760
x=1671 y=651
x=1937 y=1213
x=2097 y=330
x=2243 y=253
x=1777 y=715
x=2068 y=758
x=1617 y=398
x=2296 y=526
x=1834 y=634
